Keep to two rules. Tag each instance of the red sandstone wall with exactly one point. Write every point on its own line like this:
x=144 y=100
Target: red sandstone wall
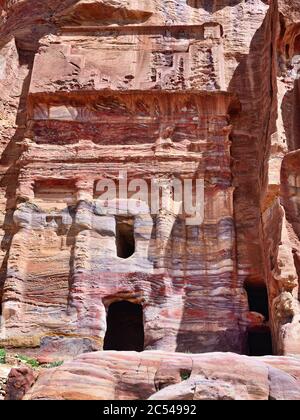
x=52 y=107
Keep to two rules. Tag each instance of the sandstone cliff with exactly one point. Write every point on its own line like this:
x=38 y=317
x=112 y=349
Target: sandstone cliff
x=185 y=89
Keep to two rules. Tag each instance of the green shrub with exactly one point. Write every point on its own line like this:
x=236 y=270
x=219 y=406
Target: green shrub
x=29 y=361
x=2 y=356
x=54 y=364
x=185 y=374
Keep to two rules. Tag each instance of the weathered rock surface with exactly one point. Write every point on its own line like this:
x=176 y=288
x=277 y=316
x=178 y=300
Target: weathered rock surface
x=19 y=381
x=283 y=281
x=4 y=372
x=168 y=376
x=110 y=88
x=182 y=89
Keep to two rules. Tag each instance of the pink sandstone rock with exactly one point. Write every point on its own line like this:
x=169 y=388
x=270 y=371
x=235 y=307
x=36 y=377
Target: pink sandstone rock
x=19 y=381
x=182 y=89
x=159 y=375
x=159 y=104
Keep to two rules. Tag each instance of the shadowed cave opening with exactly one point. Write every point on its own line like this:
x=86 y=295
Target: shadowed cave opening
x=258 y=299
x=125 y=328
x=260 y=338
x=260 y=342
x=125 y=237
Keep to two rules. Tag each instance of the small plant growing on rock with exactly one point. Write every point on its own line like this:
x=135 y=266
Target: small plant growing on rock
x=2 y=356
x=29 y=361
x=185 y=374
x=53 y=364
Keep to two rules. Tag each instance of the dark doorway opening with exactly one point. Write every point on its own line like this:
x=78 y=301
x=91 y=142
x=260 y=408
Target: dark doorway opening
x=125 y=237
x=297 y=45
x=260 y=342
x=125 y=329
x=259 y=338
x=258 y=299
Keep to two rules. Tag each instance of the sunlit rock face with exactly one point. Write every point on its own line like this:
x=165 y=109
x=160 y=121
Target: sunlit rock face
x=157 y=375
x=119 y=94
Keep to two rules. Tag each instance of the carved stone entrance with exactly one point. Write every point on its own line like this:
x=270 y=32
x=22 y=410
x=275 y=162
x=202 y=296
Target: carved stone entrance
x=125 y=330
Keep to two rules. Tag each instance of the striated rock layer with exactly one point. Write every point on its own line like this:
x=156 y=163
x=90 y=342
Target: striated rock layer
x=165 y=91
x=157 y=375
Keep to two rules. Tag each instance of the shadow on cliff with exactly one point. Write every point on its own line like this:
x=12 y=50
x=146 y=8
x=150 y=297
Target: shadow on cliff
x=30 y=20
x=9 y=160
x=290 y=114
x=212 y=6
x=251 y=141
x=21 y=24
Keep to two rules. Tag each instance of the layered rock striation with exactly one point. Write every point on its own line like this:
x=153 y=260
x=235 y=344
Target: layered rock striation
x=157 y=375
x=98 y=94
